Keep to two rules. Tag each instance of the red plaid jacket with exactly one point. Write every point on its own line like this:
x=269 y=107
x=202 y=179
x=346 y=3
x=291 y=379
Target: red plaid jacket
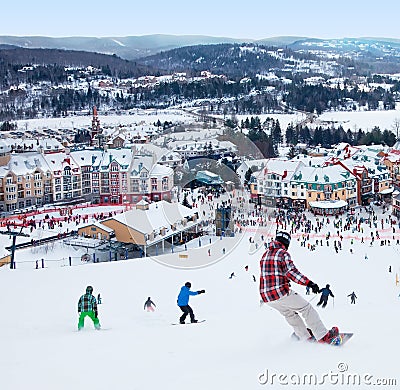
x=276 y=269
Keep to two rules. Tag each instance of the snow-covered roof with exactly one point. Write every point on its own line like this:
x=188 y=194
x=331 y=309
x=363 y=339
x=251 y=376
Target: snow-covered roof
x=122 y=156
x=55 y=161
x=387 y=191
x=322 y=175
x=159 y=215
x=25 y=163
x=161 y=170
x=328 y=204
x=98 y=225
x=279 y=167
x=86 y=157
x=4 y=147
x=47 y=144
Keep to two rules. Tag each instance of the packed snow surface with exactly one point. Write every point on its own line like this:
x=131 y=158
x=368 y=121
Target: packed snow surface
x=240 y=340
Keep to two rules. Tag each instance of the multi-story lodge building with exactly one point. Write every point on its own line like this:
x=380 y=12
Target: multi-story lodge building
x=25 y=180
x=106 y=176
x=292 y=184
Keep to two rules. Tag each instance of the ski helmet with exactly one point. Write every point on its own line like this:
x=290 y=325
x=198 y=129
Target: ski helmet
x=89 y=289
x=283 y=237
x=188 y=284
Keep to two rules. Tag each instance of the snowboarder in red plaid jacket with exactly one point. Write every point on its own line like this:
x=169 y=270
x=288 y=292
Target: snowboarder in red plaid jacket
x=277 y=270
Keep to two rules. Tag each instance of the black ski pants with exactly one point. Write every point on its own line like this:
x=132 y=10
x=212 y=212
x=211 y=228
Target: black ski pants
x=186 y=310
x=323 y=300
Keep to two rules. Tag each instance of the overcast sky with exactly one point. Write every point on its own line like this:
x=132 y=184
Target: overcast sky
x=229 y=18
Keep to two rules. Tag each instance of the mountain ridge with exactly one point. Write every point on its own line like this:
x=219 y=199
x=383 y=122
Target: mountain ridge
x=138 y=46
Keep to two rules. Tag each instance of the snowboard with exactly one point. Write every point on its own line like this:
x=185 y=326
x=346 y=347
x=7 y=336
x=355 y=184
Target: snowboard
x=339 y=340
x=188 y=323
x=101 y=329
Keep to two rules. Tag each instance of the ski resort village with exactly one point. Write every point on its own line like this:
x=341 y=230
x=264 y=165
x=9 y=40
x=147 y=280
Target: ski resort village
x=122 y=218
x=194 y=211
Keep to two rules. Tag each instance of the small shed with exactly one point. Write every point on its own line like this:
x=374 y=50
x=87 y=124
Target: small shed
x=96 y=230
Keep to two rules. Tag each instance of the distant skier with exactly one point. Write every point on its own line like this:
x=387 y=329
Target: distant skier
x=277 y=270
x=390 y=268
x=99 y=299
x=254 y=279
x=87 y=307
x=148 y=305
x=353 y=297
x=325 y=293
x=232 y=275
x=183 y=302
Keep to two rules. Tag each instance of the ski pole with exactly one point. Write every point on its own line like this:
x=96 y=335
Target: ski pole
x=333 y=302
x=315 y=296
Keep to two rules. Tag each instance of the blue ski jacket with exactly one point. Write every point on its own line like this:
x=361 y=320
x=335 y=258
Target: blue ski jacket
x=326 y=292
x=183 y=297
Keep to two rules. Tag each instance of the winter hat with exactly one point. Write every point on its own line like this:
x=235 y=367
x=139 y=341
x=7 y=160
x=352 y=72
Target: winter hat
x=188 y=284
x=89 y=289
x=283 y=237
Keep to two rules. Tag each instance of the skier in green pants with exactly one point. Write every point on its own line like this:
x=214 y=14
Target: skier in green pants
x=87 y=306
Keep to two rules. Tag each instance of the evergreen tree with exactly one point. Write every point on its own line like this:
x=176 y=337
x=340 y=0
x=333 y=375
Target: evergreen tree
x=290 y=135
x=247 y=176
x=276 y=133
x=185 y=201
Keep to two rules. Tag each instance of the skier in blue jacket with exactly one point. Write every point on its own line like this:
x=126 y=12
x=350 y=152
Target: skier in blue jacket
x=183 y=302
x=325 y=293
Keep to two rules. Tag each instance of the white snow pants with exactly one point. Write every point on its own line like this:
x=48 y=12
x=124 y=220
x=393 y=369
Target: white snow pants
x=293 y=304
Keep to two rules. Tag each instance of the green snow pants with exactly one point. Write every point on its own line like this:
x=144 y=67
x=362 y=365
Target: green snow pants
x=91 y=315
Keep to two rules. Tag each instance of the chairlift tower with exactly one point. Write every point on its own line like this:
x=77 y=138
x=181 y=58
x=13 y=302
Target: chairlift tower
x=14 y=239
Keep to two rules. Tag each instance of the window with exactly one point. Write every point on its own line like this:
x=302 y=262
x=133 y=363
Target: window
x=19 y=180
x=135 y=185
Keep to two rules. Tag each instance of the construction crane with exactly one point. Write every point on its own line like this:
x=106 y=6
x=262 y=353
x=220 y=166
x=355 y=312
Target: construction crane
x=14 y=235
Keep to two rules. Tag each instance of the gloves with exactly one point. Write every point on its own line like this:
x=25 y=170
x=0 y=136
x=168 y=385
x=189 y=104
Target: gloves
x=201 y=292
x=314 y=287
